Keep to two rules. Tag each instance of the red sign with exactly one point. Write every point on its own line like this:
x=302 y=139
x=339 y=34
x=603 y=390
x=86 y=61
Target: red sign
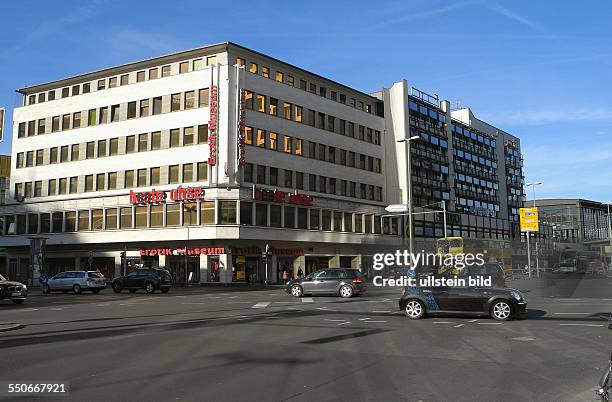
x=282 y=197
x=160 y=196
x=212 y=126
x=149 y=252
x=241 y=123
x=296 y=252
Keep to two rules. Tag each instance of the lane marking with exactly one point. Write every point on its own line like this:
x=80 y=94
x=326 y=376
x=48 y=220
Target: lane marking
x=442 y=322
x=458 y=326
x=381 y=311
x=29 y=309
x=261 y=305
x=307 y=300
x=524 y=338
x=102 y=304
x=327 y=319
x=364 y=319
x=295 y=309
x=583 y=325
x=56 y=308
x=472 y=320
x=344 y=323
x=489 y=323
x=571 y=313
x=375 y=321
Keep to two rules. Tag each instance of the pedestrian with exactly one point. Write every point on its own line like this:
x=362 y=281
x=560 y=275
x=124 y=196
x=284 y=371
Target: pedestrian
x=285 y=276
x=300 y=272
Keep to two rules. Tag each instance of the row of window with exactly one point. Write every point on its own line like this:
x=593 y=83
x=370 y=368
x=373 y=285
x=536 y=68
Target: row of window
x=114 y=113
x=198 y=213
x=275 y=107
x=115 y=146
x=123 y=79
x=469 y=133
x=260 y=174
x=311 y=87
x=295 y=146
x=153 y=176
x=475 y=158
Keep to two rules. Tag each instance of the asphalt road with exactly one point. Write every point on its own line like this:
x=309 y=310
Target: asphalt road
x=244 y=345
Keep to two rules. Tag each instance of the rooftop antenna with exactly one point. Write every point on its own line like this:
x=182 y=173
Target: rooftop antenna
x=457 y=103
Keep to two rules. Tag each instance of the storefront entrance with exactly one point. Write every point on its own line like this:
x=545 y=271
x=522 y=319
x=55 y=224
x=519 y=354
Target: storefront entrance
x=184 y=268
x=247 y=269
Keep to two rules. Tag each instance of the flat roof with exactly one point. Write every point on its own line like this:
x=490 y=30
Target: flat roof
x=213 y=48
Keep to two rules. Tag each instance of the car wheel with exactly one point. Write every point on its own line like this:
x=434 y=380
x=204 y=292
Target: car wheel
x=76 y=289
x=132 y=290
x=415 y=309
x=149 y=288
x=117 y=288
x=46 y=289
x=346 y=291
x=165 y=290
x=297 y=291
x=501 y=310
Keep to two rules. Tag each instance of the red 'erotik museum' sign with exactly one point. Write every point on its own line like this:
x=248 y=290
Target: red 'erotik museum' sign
x=160 y=196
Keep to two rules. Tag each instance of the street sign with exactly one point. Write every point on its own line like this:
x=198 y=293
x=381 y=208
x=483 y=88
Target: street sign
x=397 y=208
x=529 y=219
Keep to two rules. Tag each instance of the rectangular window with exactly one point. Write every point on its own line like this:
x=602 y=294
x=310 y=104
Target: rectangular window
x=287 y=110
x=128 y=179
x=101 y=148
x=261 y=214
x=273 y=176
x=358 y=223
x=66 y=122
x=153 y=73
x=202 y=171
x=173 y=174
x=187 y=172
x=203 y=97
x=55 y=124
x=203 y=134
x=288 y=178
x=174 y=138
x=124 y=79
x=96 y=219
x=279 y=76
x=74 y=184
x=31 y=128
x=143 y=142
x=314 y=220
x=166 y=71
x=157 y=105
x=141 y=178
x=188 y=136
x=246 y=213
x=63 y=184
x=126 y=217
x=70 y=221
x=114 y=146
x=157 y=216
x=184 y=67
x=189 y=100
x=275 y=216
x=37 y=188
x=140 y=76
x=253 y=68
x=100 y=182
x=29 y=158
x=287 y=144
x=175 y=102
x=190 y=214
x=155 y=140
x=114 y=113
x=112 y=180
x=140 y=215
x=240 y=61
x=227 y=212
x=19 y=163
x=52 y=155
x=261 y=103
x=261 y=174
x=322 y=152
x=155 y=176
x=313 y=88
x=207 y=212
x=131 y=111
x=89 y=150
x=39 y=157
x=111 y=218
x=198 y=64
x=91 y=120
x=89 y=184
x=101 y=85
x=51 y=94
x=368 y=223
x=265 y=72
x=290 y=80
x=261 y=138
x=112 y=82
x=273 y=141
x=298 y=114
x=144 y=108
x=130 y=144
x=248 y=172
x=302 y=85
x=21 y=132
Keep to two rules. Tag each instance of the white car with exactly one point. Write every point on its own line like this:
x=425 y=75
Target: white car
x=77 y=281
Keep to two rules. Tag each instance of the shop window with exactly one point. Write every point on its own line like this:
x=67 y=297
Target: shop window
x=207 y=212
x=173 y=214
x=111 y=218
x=275 y=216
x=227 y=212
x=261 y=214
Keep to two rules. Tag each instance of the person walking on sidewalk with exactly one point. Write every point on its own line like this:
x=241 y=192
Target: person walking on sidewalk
x=285 y=276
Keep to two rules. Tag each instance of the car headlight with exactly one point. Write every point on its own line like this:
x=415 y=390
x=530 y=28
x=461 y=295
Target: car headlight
x=24 y=287
x=516 y=295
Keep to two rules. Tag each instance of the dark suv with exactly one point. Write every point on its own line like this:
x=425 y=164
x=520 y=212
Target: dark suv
x=149 y=279
x=345 y=282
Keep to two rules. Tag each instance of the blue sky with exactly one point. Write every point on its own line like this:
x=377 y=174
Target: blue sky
x=539 y=70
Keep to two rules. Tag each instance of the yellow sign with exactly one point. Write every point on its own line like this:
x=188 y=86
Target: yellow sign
x=240 y=275
x=529 y=219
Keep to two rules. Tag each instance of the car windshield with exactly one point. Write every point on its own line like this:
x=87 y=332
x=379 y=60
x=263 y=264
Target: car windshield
x=95 y=275
x=2 y=278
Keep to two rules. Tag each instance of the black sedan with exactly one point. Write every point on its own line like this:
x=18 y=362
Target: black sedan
x=498 y=303
x=345 y=282
x=15 y=291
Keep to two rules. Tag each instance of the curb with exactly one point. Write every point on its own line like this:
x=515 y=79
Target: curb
x=10 y=326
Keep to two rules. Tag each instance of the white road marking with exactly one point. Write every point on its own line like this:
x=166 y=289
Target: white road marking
x=442 y=322
x=56 y=308
x=489 y=323
x=381 y=311
x=524 y=338
x=180 y=296
x=327 y=319
x=364 y=319
x=294 y=308
x=583 y=325
x=102 y=304
x=261 y=305
x=307 y=300
x=234 y=297
x=344 y=323
x=571 y=313
x=376 y=321
x=239 y=302
x=458 y=326
x=472 y=320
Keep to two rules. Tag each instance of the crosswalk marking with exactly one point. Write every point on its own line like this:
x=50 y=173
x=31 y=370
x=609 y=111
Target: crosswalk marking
x=261 y=305
x=307 y=300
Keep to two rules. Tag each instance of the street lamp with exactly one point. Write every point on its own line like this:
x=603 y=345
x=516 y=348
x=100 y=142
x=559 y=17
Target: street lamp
x=409 y=187
x=610 y=236
x=533 y=186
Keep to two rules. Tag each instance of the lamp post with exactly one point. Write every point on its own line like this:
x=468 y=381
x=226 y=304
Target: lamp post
x=409 y=187
x=533 y=186
x=610 y=236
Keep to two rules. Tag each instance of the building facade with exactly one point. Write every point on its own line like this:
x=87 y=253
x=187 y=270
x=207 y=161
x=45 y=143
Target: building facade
x=201 y=160
x=5 y=174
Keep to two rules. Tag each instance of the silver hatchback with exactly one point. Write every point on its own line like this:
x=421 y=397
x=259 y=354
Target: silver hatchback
x=77 y=281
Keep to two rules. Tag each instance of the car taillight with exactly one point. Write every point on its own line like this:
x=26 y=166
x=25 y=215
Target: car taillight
x=357 y=280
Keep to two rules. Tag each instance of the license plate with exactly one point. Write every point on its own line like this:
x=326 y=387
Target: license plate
x=15 y=294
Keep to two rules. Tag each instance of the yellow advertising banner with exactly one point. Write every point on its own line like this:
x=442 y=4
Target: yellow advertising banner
x=529 y=219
